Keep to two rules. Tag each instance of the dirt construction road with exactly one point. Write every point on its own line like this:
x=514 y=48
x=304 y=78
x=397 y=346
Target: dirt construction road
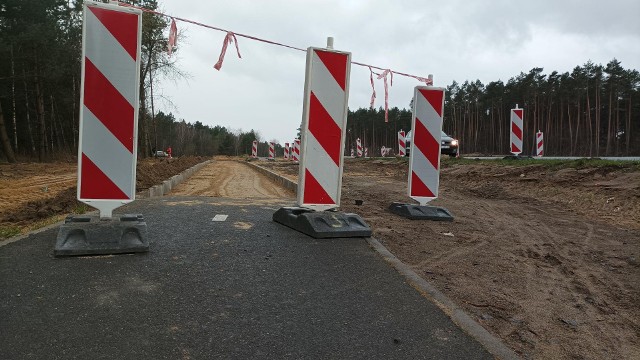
x=230 y=179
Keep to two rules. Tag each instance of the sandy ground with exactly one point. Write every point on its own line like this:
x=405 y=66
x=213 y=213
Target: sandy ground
x=230 y=179
x=544 y=258
x=37 y=193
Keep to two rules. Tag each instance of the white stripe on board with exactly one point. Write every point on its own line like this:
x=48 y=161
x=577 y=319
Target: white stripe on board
x=322 y=167
x=327 y=90
x=107 y=152
x=426 y=172
x=113 y=61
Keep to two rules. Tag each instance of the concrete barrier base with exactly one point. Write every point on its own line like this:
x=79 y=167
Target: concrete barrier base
x=417 y=212
x=90 y=235
x=322 y=224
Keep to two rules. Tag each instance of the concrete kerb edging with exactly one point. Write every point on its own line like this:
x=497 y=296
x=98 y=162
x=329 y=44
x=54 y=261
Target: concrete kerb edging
x=494 y=345
x=278 y=179
x=168 y=185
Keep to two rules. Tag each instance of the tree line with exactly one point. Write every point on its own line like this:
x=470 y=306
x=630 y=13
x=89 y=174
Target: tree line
x=40 y=65
x=594 y=110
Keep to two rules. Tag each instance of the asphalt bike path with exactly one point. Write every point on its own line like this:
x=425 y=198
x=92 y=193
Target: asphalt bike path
x=242 y=288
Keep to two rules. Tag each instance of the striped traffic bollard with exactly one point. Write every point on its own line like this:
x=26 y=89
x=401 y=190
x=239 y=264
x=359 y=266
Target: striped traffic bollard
x=295 y=152
x=109 y=112
x=516 y=130
x=324 y=126
x=539 y=143
x=292 y=150
x=402 y=147
x=359 y=147
x=424 y=159
x=352 y=153
x=272 y=151
x=324 y=123
x=286 y=151
x=109 y=98
x=366 y=152
x=254 y=149
x=424 y=163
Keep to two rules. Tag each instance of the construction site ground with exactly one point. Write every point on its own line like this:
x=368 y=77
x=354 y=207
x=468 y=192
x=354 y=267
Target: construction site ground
x=543 y=255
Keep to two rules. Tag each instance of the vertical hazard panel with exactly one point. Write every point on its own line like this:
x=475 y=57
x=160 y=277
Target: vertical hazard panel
x=323 y=128
x=539 y=143
x=402 y=148
x=424 y=160
x=109 y=103
x=517 y=121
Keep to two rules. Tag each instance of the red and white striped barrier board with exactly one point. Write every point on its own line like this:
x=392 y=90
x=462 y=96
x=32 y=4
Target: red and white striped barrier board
x=366 y=152
x=324 y=123
x=359 y=147
x=272 y=151
x=286 y=151
x=384 y=151
x=254 y=149
x=402 y=147
x=424 y=161
x=292 y=150
x=109 y=106
x=539 y=143
x=296 y=150
x=516 y=131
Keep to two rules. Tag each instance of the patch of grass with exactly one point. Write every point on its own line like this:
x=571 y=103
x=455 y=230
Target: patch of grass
x=80 y=209
x=551 y=164
x=44 y=222
x=9 y=231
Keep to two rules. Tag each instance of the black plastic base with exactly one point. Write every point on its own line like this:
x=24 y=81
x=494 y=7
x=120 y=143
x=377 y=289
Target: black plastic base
x=90 y=235
x=322 y=224
x=417 y=212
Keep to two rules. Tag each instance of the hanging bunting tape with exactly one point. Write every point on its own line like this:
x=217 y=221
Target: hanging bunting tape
x=373 y=95
x=227 y=39
x=231 y=37
x=173 y=32
x=386 y=92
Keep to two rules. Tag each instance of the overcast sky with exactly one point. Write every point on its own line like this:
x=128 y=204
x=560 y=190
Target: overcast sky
x=453 y=40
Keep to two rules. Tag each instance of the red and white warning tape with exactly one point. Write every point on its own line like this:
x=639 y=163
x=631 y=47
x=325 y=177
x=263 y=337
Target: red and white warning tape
x=231 y=37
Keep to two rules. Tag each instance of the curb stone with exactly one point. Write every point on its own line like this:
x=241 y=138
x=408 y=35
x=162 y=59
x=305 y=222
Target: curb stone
x=278 y=179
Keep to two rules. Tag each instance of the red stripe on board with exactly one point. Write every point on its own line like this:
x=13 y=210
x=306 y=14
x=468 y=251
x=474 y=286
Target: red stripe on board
x=96 y=185
x=518 y=112
x=336 y=63
x=123 y=26
x=324 y=129
x=108 y=105
x=539 y=144
x=314 y=193
x=514 y=148
x=418 y=188
x=516 y=130
x=427 y=144
x=434 y=97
